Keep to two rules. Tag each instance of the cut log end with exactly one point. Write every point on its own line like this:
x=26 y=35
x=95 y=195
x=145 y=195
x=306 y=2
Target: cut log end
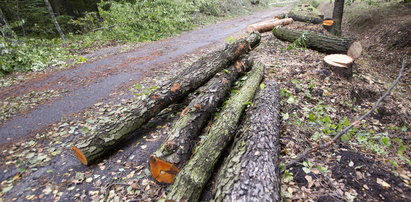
x=355 y=50
x=80 y=155
x=162 y=171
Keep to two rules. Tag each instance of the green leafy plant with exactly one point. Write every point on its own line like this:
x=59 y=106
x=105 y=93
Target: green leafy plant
x=300 y=43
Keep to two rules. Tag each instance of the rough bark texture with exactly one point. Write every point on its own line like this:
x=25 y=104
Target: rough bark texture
x=322 y=43
x=113 y=134
x=337 y=17
x=53 y=18
x=193 y=177
x=268 y=25
x=177 y=148
x=301 y=18
x=250 y=172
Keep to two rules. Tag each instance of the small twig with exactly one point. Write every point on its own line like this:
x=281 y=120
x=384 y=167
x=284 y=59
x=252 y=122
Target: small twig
x=337 y=136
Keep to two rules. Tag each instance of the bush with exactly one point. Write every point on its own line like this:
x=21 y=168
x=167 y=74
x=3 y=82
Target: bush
x=146 y=20
x=30 y=55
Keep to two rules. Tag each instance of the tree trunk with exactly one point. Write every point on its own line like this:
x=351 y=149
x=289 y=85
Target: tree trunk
x=5 y=27
x=251 y=172
x=193 y=177
x=301 y=18
x=113 y=134
x=53 y=18
x=322 y=43
x=268 y=25
x=337 y=17
x=177 y=148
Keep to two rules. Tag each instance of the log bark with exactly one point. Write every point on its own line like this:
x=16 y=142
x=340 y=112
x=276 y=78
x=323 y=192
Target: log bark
x=177 y=148
x=322 y=43
x=268 y=25
x=193 y=177
x=302 y=18
x=251 y=172
x=337 y=17
x=111 y=135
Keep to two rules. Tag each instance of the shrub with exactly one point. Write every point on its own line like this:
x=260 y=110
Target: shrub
x=30 y=55
x=146 y=20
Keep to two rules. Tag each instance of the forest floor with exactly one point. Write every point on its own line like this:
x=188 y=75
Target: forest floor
x=372 y=164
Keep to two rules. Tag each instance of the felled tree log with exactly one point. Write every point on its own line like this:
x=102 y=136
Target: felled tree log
x=113 y=134
x=193 y=177
x=250 y=172
x=177 y=148
x=322 y=43
x=303 y=18
x=268 y=25
x=340 y=64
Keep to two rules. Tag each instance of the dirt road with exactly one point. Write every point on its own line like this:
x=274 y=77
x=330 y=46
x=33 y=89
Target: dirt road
x=92 y=82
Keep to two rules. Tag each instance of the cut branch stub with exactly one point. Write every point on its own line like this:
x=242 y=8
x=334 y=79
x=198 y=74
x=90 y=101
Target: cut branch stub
x=112 y=134
x=177 y=148
x=251 y=170
x=191 y=180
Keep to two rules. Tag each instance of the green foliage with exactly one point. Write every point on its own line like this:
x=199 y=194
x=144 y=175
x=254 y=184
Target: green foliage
x=146 y=20
x=29 y=55
x=300 y=43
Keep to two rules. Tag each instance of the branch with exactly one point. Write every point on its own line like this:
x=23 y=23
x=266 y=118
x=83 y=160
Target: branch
x=302 y=155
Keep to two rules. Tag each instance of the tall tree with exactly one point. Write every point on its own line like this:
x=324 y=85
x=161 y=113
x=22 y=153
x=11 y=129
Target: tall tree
x=5 y=29
x=337 y=17
x=53 y=18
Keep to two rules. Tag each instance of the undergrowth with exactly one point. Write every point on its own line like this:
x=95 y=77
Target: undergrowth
x=116 y=22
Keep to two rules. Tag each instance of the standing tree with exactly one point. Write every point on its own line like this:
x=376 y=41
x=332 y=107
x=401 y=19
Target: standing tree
x=5 y=29
x=337 y=17
x=53 y=18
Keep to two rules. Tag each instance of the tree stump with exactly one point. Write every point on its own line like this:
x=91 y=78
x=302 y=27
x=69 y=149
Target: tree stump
x=340 y=64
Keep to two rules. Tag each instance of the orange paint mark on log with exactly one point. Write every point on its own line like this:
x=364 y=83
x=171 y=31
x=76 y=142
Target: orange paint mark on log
x=184 y=112
x=154 y=96
x=238 y=65
x=80 y=155
x=162 y=171
x=175 y=87
x=240 y=49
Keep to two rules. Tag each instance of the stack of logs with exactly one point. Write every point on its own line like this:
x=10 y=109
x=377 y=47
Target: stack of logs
x=250 y=171
x=253 y=157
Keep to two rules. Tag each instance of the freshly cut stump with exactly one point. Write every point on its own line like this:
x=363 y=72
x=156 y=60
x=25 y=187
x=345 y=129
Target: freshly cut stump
x=322 y=43
x=176 y=150
x=268 y=25
x=191 y=180
x=302 y=18
x=251 y=171
x=115 y=133
x=340 y=64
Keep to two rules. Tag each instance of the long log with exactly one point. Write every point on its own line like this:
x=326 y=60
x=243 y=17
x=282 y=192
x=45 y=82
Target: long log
x=322 y=43
x=177 y=148
x=266 y=26
x=113 y=134
x=303 y=18
x=191 y=180
x=251 y=172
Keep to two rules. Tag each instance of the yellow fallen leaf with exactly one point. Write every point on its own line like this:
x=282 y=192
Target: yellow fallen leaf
x=383 y=183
